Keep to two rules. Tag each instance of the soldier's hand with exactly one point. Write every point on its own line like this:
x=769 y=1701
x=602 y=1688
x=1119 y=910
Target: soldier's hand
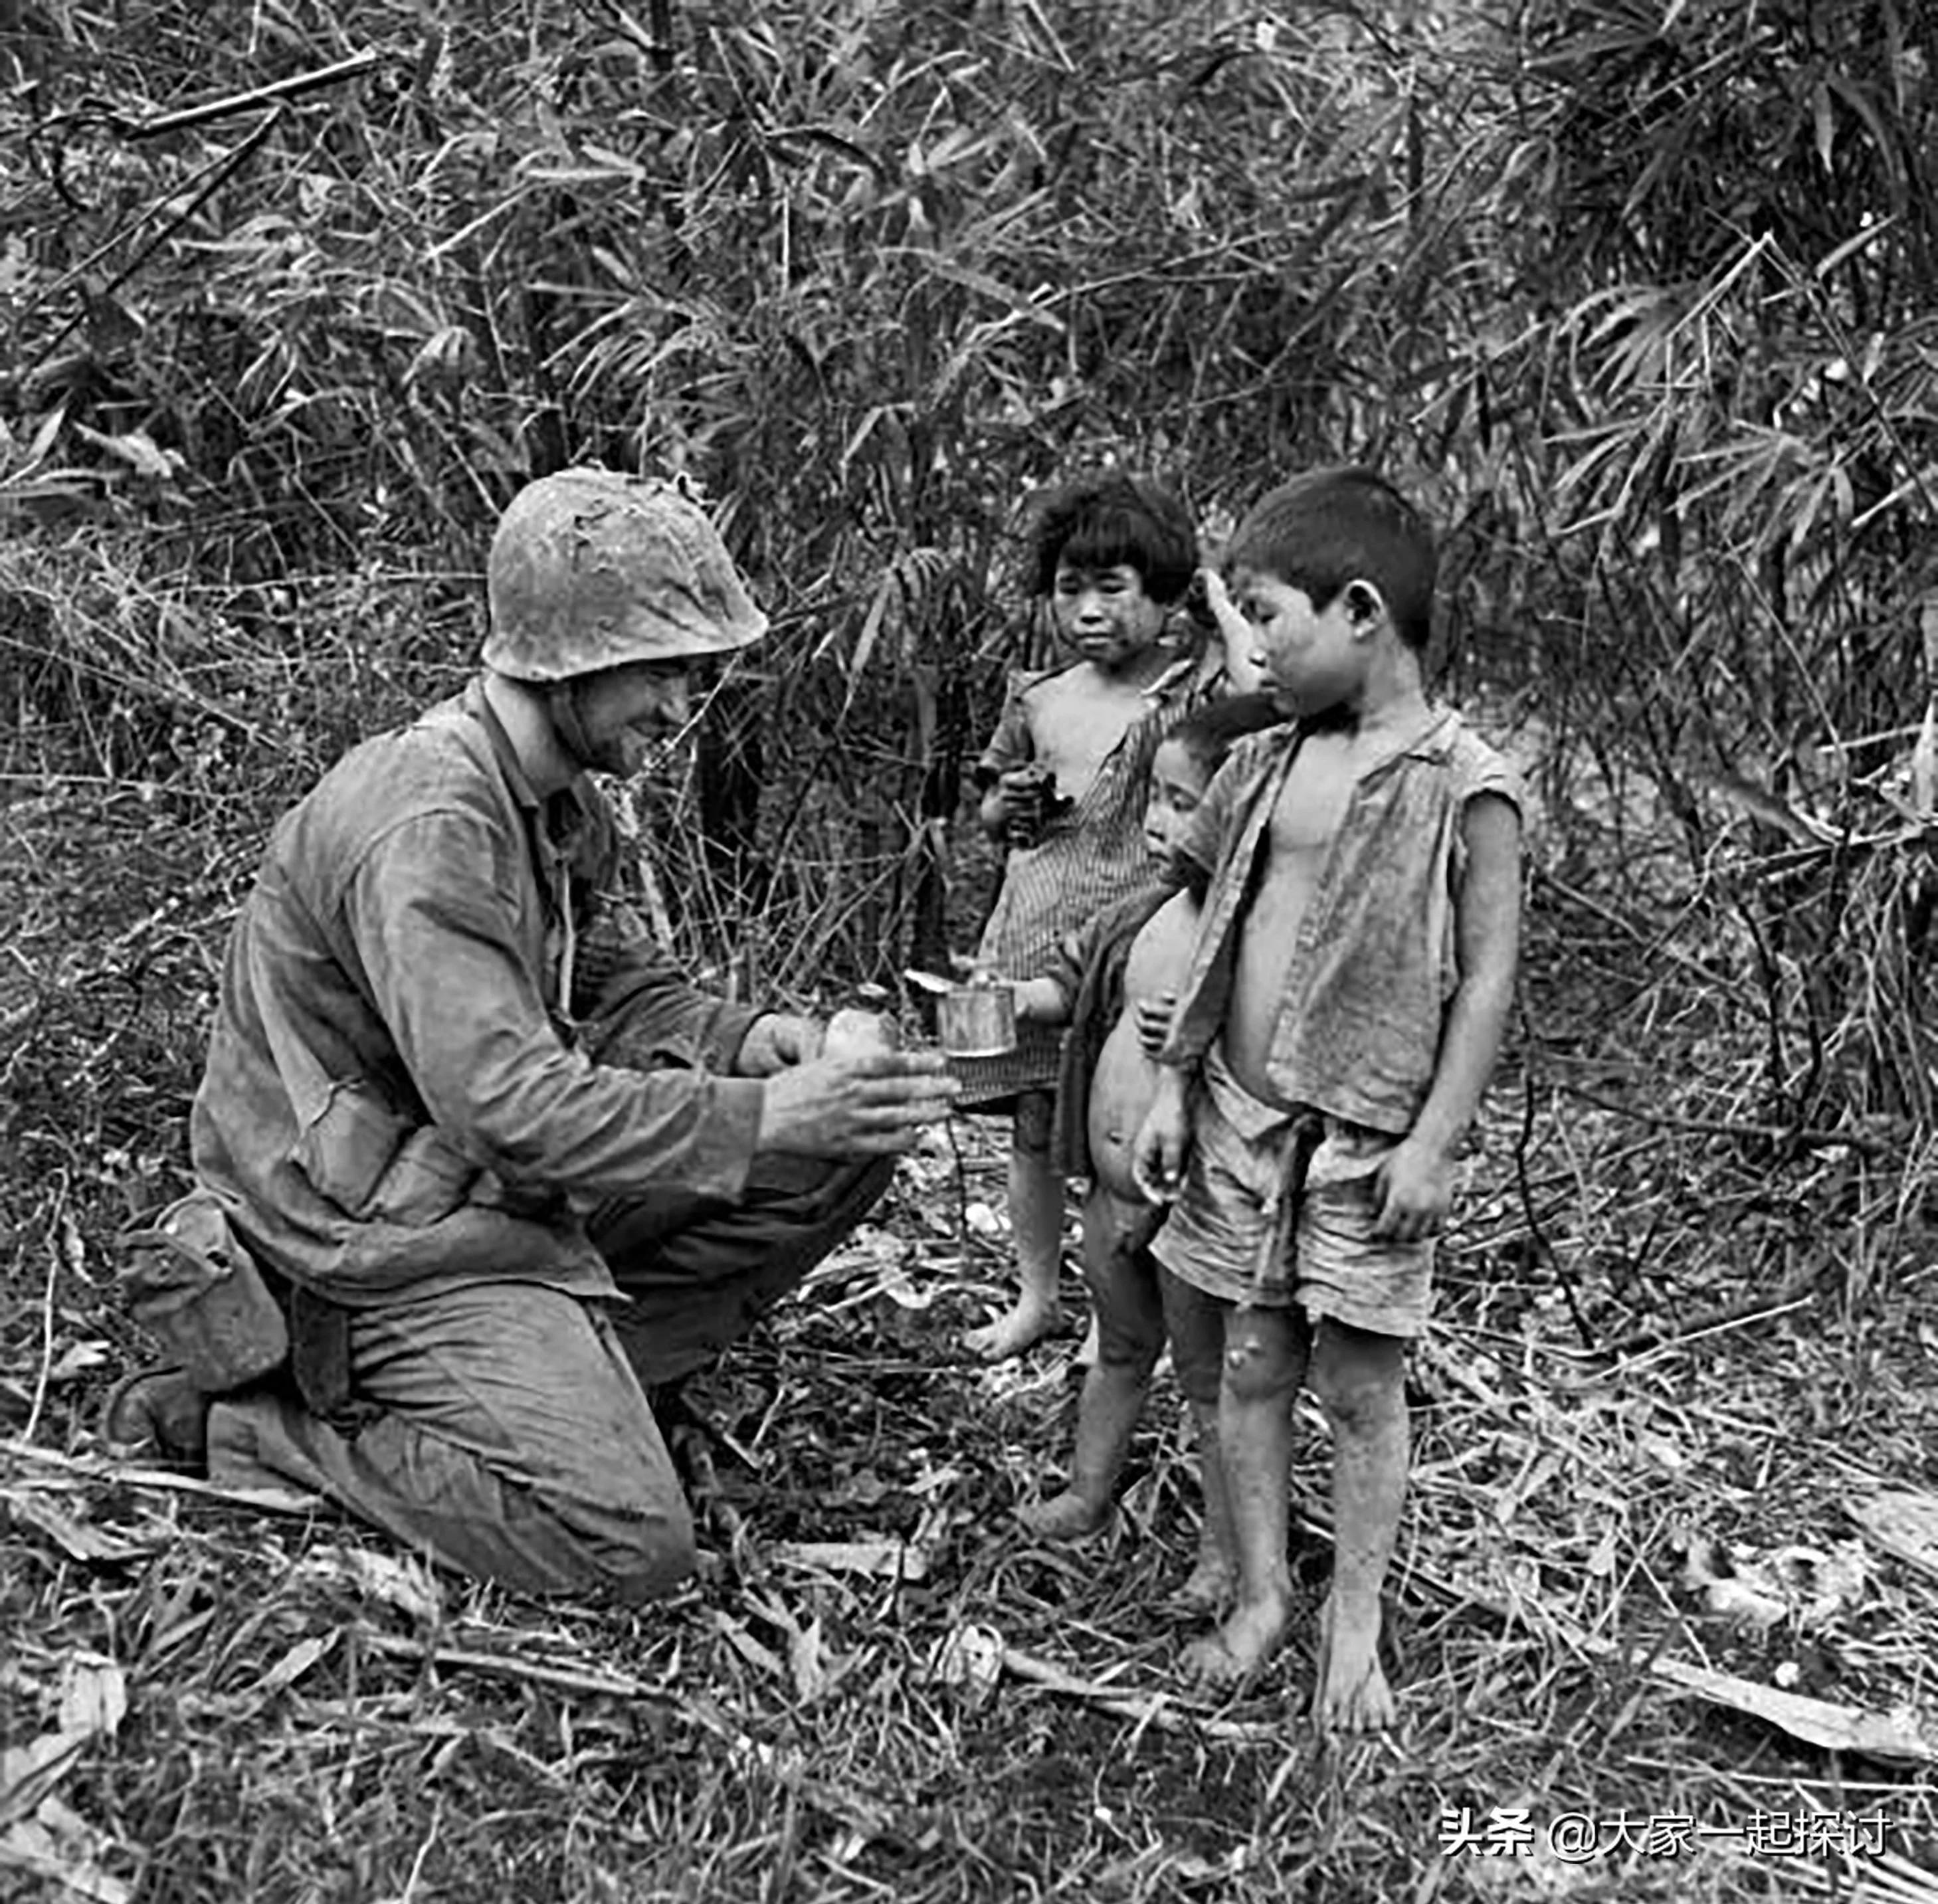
x=776 y=1039
x=872 y=1104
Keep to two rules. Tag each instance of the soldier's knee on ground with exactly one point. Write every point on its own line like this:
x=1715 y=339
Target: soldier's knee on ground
x=634 y=1559
x=627 y=1538
x=633 y=1531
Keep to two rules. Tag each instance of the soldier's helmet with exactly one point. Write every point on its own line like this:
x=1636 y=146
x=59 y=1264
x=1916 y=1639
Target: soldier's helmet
x=591 y=569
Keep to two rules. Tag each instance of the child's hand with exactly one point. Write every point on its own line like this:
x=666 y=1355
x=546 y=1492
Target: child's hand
x=1157 y=1159
x=1019 y=792
x=1040 y=1001
x=1415 y=1187
x=1153 y=1021
x=1022 y=802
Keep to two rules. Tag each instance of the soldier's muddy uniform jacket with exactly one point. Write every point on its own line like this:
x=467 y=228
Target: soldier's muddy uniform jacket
x=401 y=1091
x=487 y=1238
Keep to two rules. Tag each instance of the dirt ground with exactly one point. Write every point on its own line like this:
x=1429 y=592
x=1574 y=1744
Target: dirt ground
x=1663 y=1625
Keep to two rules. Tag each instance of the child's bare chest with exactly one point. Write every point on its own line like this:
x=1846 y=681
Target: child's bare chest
x=1078 y=719
x=1312 y=805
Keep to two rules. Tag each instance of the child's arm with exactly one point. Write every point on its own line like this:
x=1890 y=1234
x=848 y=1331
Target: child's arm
x=1240 y=641
x=1011 y=752
x=1417 y=1181
x=1018 y=792
x=1051 y=997
x=1041 y=1001
x=1157 y=1158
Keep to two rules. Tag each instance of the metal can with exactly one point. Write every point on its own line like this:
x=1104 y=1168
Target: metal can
x=977 y=1021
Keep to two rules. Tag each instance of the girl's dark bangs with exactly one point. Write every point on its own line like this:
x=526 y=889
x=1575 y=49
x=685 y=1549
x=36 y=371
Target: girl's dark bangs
x=1105 y=539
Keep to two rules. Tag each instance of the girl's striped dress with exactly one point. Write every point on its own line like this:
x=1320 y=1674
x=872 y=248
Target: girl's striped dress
x=1089 y=856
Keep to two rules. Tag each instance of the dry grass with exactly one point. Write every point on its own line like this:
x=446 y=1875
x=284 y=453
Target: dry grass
x=1679 y=1343
x=280 y=1706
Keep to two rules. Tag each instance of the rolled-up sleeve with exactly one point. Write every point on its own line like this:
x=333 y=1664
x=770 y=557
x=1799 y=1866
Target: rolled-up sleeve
x=432 y=910
x=644 y=1013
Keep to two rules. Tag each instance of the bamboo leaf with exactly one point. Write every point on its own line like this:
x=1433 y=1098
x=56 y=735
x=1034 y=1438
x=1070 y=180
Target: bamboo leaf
x=1924 y=764
x=1826 y=126
x=1860 y=241
x=1861 y=103
x=1834 y=1728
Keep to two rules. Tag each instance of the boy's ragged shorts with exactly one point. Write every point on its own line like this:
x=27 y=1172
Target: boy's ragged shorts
x=1227 y=1234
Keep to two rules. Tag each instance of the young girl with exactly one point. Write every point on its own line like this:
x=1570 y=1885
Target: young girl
x=1114 y=984
x=1063 y=781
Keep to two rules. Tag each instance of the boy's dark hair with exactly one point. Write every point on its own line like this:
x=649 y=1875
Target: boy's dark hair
x=1097 y=522
x=1331 y=527
x=1208 y=734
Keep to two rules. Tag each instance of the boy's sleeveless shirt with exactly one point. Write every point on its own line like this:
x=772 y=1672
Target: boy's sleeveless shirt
x=1357 y=1031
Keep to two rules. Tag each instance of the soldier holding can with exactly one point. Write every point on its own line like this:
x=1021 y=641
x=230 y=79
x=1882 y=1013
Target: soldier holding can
x=498 y=1164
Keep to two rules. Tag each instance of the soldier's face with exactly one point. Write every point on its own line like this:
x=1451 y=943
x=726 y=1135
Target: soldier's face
x=626 y=710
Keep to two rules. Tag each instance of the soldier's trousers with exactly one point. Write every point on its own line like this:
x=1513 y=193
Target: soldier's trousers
x=503 y=1427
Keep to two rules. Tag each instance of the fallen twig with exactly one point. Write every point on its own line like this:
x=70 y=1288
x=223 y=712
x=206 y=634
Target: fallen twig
x=271 y=1500
x=46 y=1358
x=154 y=124
x=1563 y=1275
x=1147 y=1708
x=1725 y=1127
x=512 y=1665
x=1736 y=1315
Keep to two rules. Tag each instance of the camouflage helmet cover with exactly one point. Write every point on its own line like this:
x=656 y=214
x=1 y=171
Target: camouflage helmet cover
x=592 y=570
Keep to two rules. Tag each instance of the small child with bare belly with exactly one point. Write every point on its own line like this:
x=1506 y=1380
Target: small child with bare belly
x=1112 y=555
x=1342 y=1009
x=1115 y=984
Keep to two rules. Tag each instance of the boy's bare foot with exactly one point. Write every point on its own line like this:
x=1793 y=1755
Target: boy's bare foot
x=1026 y=1325
x=1350 y=1692
x=1064 y=1516
x=1230 y=1656
x=1210 y=1587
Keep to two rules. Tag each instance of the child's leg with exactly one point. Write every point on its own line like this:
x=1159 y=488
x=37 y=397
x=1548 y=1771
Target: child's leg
x=1196 y=1322
x=1265 y=1354
x=1036 y=1221
x=1214 y=1575
x=1129 y=1315
x=1359 y=1377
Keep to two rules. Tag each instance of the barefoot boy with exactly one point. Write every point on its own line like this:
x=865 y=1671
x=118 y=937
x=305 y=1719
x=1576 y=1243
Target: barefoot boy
x=1342 y=1009
x=1115 y=984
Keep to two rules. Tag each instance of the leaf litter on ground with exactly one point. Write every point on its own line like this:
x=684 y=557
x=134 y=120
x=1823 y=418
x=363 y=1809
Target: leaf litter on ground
x=879 y=1681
